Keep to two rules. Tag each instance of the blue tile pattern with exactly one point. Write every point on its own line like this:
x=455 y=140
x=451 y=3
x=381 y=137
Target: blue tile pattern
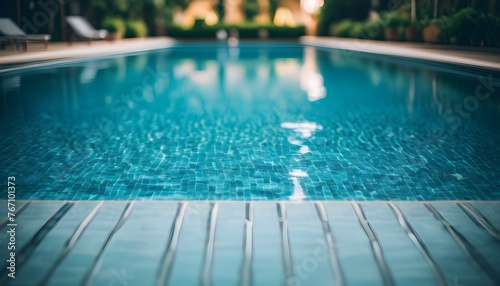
x=249 y=123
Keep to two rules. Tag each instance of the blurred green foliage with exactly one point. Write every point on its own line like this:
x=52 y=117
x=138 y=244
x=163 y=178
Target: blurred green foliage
x=337 y=10
x=461 y=22
x=251 y=9
x=470 y=27
x=136 y=29
x=346 y=28
x=245 y=30
x=114 y=25
x=395 y=19
x=148 y=11
x=273 y=6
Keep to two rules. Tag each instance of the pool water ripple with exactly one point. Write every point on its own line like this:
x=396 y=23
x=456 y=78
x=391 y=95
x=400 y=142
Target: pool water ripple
x=260 y=124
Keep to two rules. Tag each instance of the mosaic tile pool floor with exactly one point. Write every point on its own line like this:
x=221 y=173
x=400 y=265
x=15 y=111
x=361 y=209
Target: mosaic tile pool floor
x=258 y=122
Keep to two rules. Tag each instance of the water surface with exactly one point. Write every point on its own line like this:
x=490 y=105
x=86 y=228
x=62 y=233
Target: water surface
x=256 y=122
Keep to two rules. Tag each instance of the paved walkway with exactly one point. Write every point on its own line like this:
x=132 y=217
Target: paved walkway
x=58 y=51
x=253 y=243
x=467 y=56
x=475 y=57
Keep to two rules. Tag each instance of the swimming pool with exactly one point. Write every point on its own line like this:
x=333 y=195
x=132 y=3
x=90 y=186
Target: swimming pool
x=254 y=122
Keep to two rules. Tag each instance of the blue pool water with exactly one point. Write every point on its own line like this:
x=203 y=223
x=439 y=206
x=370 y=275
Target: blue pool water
x=257 y=122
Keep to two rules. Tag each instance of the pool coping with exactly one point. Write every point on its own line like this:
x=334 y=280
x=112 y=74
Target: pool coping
x=186 y=233
x=433 y=53
x=484 y=58
x=79 y=52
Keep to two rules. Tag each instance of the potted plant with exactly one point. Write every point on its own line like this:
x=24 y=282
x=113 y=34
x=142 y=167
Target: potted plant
x=410 y=23
x=431 y=32
x=407 y=29
x=115 y=26
x=392 y=22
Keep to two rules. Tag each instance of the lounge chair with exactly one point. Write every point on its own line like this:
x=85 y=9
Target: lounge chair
x=84 y=30
x=13 y=34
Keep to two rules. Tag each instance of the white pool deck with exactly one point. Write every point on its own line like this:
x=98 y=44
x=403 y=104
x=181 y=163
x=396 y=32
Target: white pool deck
x=466 y=56
x=253 y=243
x=488 y=58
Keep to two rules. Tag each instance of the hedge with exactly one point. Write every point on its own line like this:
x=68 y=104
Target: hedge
x=244 y=31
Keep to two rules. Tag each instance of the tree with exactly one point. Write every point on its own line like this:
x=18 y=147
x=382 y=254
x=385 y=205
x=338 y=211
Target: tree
x=273 y=6
x=413 y=12
x=97 y=10
x=220 y=10
x=251 y=9
x=336 y=10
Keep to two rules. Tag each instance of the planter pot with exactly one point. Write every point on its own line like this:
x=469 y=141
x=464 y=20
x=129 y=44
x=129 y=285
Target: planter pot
x=431 y=34
x=411 y=34
x=114 y=36
x=391 y=34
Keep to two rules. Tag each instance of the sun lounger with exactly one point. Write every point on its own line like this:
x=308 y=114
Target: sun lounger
x=15 y=35
x=84 y=30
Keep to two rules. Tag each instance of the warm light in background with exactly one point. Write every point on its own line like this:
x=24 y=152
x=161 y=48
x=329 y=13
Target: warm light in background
x=284 y=17
x=211 y=18
x=311 y=6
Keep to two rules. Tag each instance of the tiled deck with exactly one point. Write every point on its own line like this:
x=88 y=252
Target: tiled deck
x=254 y=243
x=79 y=50
x=477 y=57
x=488 y=58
